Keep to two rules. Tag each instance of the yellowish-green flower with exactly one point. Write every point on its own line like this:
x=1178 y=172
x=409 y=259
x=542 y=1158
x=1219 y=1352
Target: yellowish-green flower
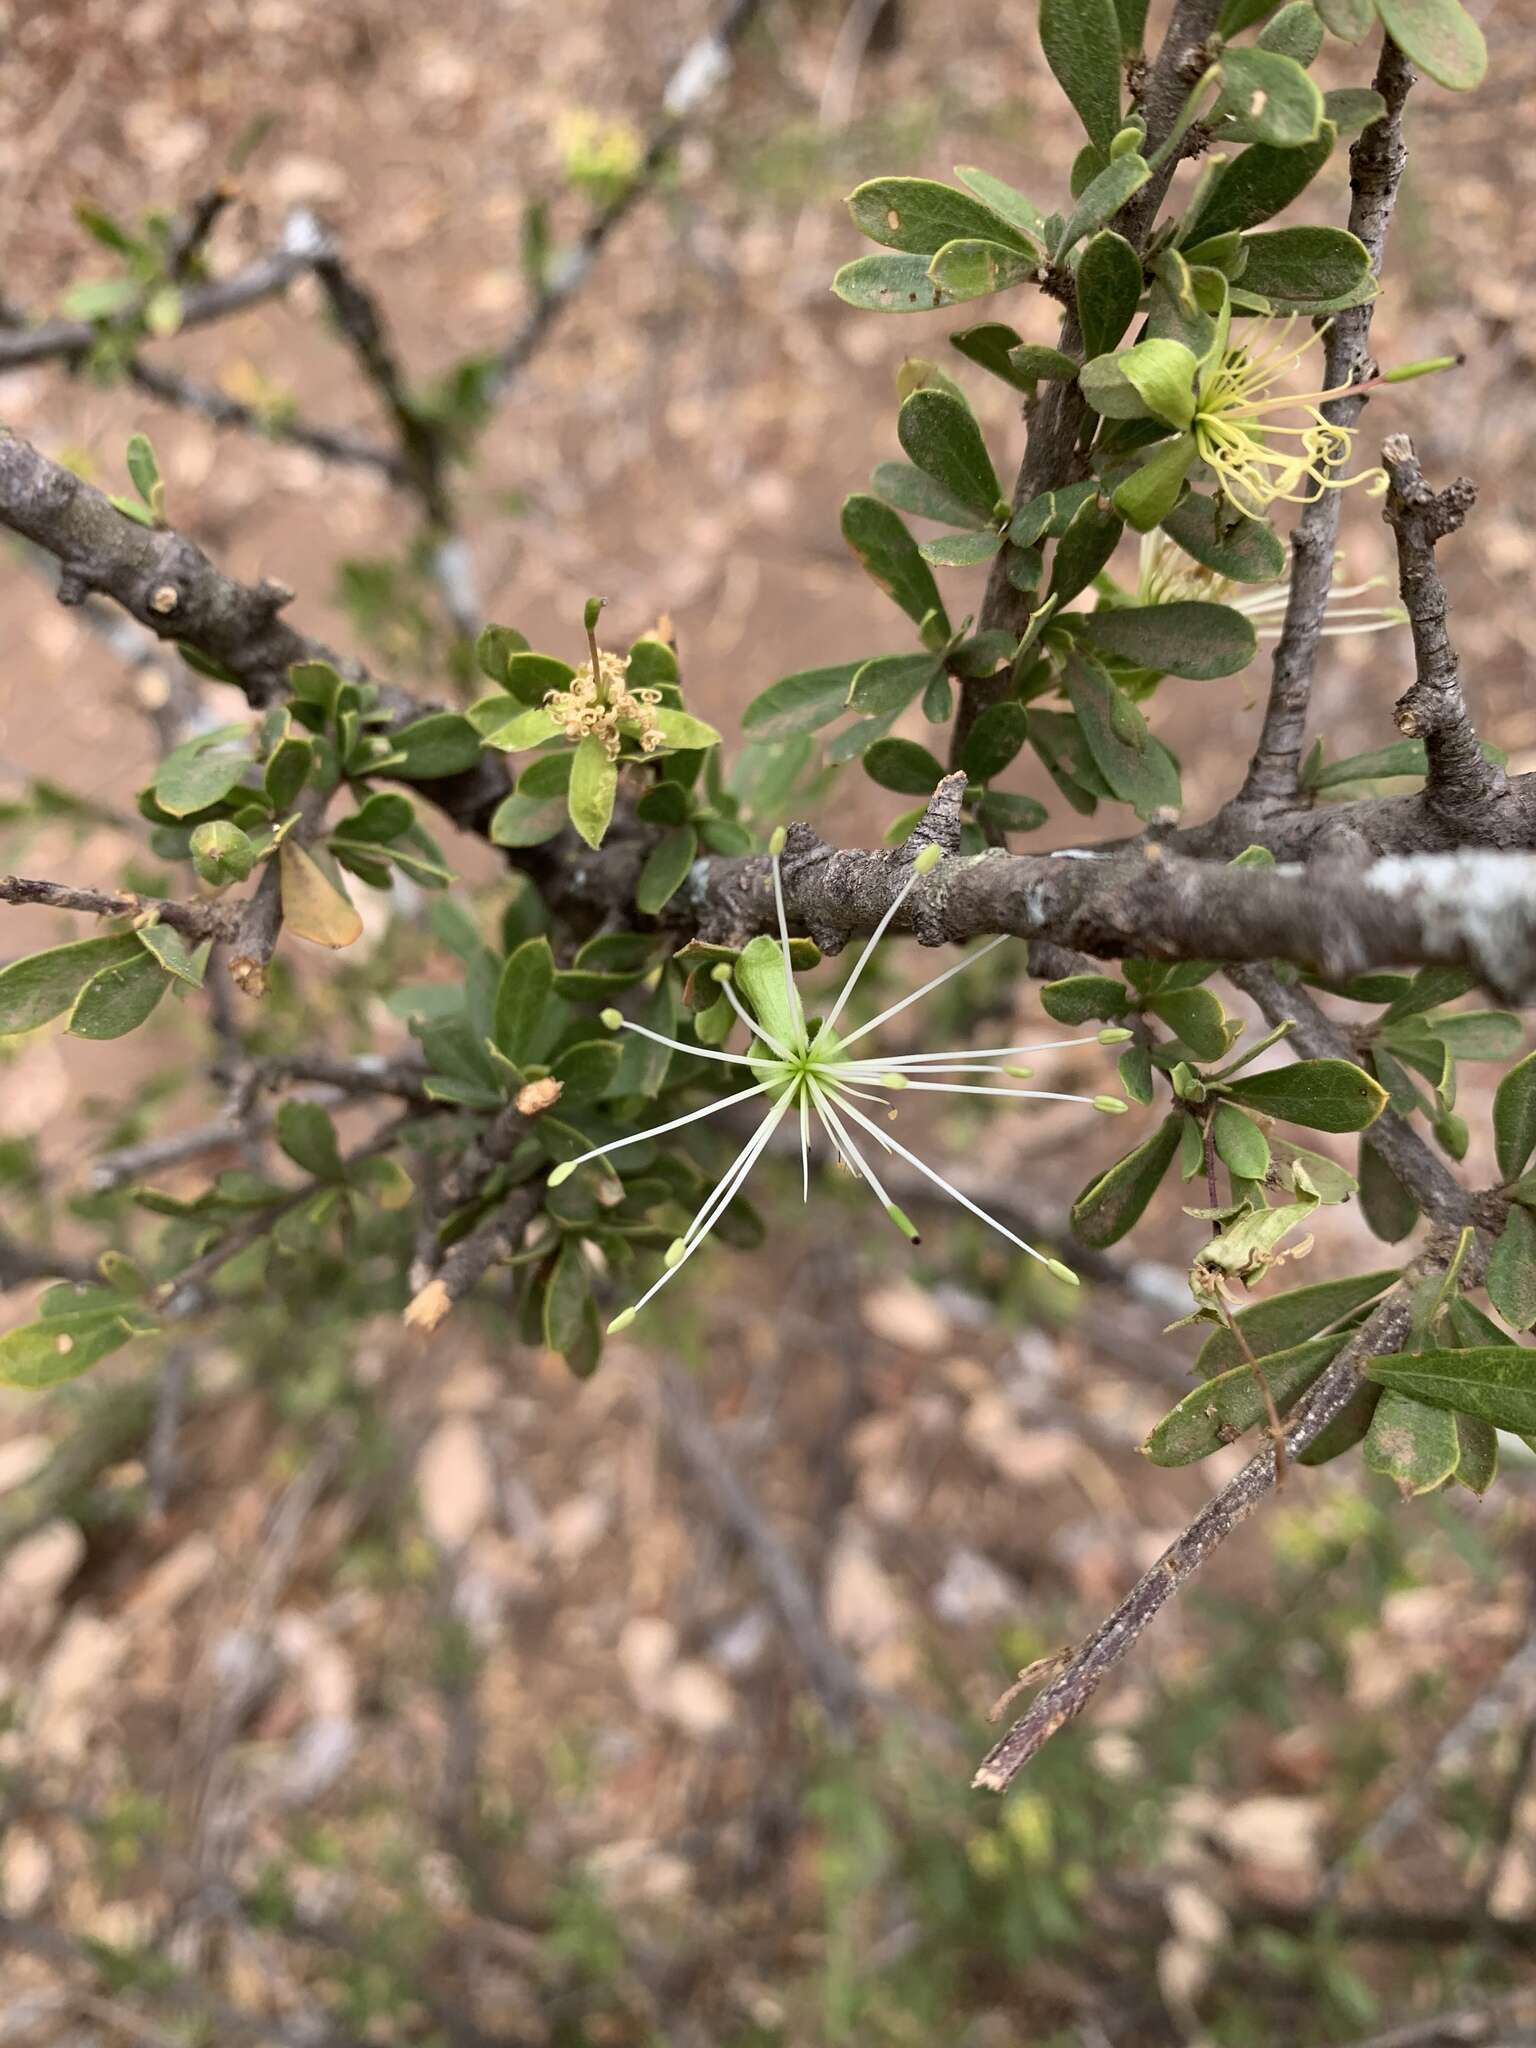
x=1239 y=430
x=1167 y=576
x=598 y=700
x=1260 y=444
x=795 y=1066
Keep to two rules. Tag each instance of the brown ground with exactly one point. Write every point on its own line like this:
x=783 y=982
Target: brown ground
x=277 y=1659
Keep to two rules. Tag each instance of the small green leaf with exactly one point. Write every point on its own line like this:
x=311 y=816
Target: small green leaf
x=530 y=677
x=1478 y=1464
x=594 y=781
x=43 y=985
x=382 y=817
x=1257 y=185
x=904 y=487
x=1441 y=38
x=890 y=284
x=890 y=554
x=1514 y=1116
x=1479 y=1034
x=520 y=820
x=941 y=436
x=203 y=771
x=1411 y=1443
x=522 y=996
x=884 y=687
x=1005 y=200
x=1109 y=285
x=586 y=1071
x=567 y=1295
x=1151 y=492
x=1084 y=549
x=974 y=270
x=60 y=1348
x=1295 y=32
x=1081 y=41
x=1225 y=540
x=681 y=729
x=1401 y=757
x=308 y=1136
x=1004 y=811
x=504 y=722
x=145 y=472
x=119 y=998
x=1032 y=360
x=1352 y=109
x=1302 y=266
x=1268 y=98
x=1495 y=1382
x=1388 y=1208
x=1512 y=1270
x=1079 y=997
x=1109 y=1206
x=1325 y=1095
x=171 y=950
x=803 y=702
x=494 y=649
x=443 y=743
x=919 y=216
x=287 y=771
x=1195 y=1017
x=1136 y=767
x=1240 y=1145
x=1227 y=1405
x=666 y=868
x=994 y=740
x=1347 y=19
x=961 y=550
x=1184 y=638
x=902 y=766
x=1103 y=198
x=1154 y=379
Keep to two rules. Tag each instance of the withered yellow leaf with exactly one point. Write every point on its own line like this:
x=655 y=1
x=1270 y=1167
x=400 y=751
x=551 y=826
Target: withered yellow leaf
x=315 y=907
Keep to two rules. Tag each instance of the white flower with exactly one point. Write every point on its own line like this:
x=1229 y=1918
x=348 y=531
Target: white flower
x=1167 y=574
x=822 y=1076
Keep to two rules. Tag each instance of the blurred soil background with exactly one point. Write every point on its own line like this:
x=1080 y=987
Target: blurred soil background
x=416 y=1693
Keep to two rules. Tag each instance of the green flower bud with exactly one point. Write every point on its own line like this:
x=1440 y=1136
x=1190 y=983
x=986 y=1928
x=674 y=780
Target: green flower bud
x=222 y=853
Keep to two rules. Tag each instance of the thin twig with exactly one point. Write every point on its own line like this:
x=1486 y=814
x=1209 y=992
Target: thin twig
x=192 y=920
x=1376 y=164
x=267 y=278
x=1065 y=1697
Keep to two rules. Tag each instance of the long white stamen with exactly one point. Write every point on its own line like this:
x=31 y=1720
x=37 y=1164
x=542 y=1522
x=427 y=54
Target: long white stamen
x=900 y=1061
x=564 y=1171
x=966 y=1088
x=732 y=1178
x=805 y=1143
x=861 y=1164
x=865 y=957
x=954 y=1193
x=701 y=1052
x=723 y=1194
x=918 y=993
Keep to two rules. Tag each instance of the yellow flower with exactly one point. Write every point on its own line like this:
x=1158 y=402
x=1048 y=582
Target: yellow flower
x=1255 y=459
x=599 y=700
